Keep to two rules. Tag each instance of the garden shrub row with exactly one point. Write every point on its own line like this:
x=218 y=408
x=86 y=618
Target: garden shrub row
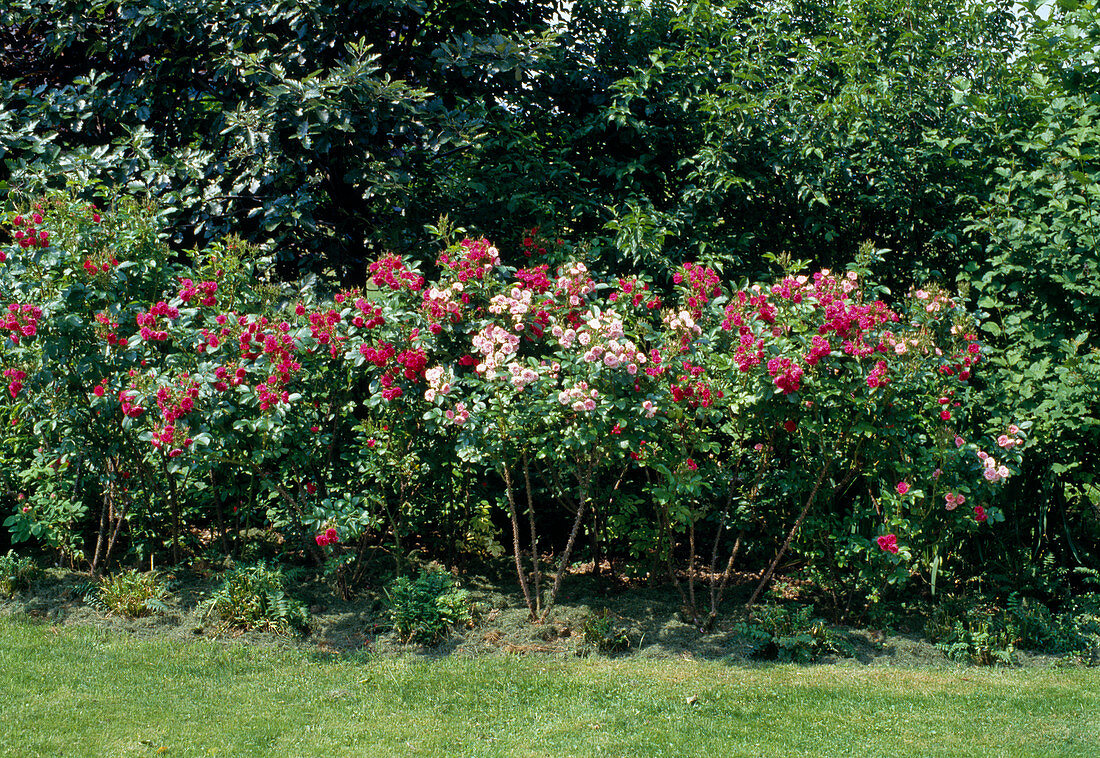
x=154 y=397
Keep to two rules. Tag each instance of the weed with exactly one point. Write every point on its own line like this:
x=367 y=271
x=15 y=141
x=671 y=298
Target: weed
x=254 y=597
x=426 y=609
x=986 y=633
x=600 y=632
x=15 y=573
x=975 y=632
x=778 y=632
x=129 y=593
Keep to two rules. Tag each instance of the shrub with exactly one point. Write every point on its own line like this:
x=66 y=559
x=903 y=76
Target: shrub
x=15 y=573
x=254 y=597
x=425 y=610
x=130 y=593
x=781 y=633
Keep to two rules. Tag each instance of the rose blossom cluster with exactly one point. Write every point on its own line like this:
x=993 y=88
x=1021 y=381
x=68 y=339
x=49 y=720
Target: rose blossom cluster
x=516 y=304
x=106 y=328
x=203 y=291
x=521 y=375
x=323 y=327
x=443 y=304
x=535 y=278
x=29 y=235
x=130 y=408
x=1011 y=439
x=259 y=337
x=573 y=283
x=459 y=416
x=964 y=359
x=476 y=259
x=690 y=388
x=682 y=325
x=878 y=376
x=21 y=321
x=495 y=344
x=368 y=317
x=439 y=381
x=702 y=283
x=786 y=374
x=15 y=379
x=91 y=268
x=380 y=355
x=992 y=472
x=148 y=321
x=174 y=403
x=390 y=271
x=933 y=302
x=953 y=500
x=604 y=342
x=888 y=543
x=638 y=292
x=328 y=537
x=819 y=348
x=579 y=397
x=270 y=392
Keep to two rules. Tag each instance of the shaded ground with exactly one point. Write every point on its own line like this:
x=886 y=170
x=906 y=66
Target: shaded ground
x=648 y=617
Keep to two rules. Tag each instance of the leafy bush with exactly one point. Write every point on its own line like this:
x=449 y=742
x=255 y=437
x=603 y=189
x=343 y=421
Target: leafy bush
x=987 y=633
x=254 y=597
x=600 y=632
x=782 y=633
x=15 y=573
x=425 y=610
x=1074 y=633
x=130 y=593
x=974 y=632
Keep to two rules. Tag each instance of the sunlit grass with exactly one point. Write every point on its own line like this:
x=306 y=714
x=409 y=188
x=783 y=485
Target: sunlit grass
x=82 y=692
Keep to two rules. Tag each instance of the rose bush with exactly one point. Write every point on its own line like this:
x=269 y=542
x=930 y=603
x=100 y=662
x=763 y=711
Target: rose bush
x=806 y=414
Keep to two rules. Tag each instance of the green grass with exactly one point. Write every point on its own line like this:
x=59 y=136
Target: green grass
x=83 y=692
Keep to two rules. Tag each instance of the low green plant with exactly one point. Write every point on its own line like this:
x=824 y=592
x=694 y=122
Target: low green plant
x=1073 y=633
x=255 y=597
x=979 y=632
x=129 y=593
x=602 y=633
x=16 y=573
x=784 y=633
x=987 y=633
x=426 y=609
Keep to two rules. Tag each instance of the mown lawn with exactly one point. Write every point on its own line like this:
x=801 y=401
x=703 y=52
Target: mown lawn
x=84 y=692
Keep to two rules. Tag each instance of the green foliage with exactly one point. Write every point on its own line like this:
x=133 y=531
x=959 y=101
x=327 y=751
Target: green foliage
x=16 y=573
x=425 y=610
x=322 y=128
x=602 y=633
x=255 y=598
x=987 y=633
x=785 y=633
x=973 y=632
x=130 y=593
